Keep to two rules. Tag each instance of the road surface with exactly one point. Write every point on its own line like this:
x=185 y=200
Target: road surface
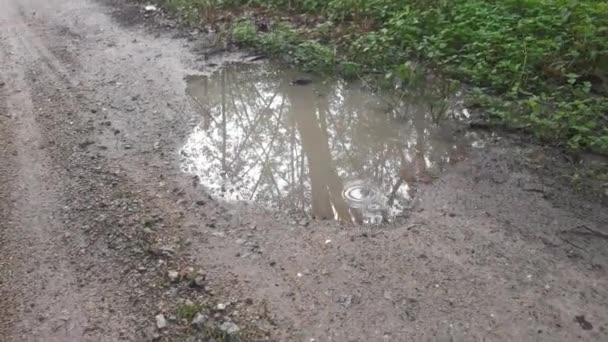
x=95 y=211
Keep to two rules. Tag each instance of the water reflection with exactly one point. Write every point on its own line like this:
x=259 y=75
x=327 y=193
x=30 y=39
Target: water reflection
x=332 y=149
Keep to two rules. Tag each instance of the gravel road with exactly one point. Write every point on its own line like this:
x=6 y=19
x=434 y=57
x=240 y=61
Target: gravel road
x=101 y=232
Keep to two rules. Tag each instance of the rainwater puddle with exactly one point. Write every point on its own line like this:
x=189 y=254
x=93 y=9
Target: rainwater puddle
x=331 y=149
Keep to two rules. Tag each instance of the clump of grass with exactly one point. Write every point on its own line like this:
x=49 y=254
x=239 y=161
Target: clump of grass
x=187 y=311
x=284 y=41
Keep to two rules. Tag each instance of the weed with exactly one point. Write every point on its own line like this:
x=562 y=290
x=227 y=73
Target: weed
x=244 y=32
x=187 y=311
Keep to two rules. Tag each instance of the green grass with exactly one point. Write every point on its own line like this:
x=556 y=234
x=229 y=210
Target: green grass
x=188 y=311
x=539 y=65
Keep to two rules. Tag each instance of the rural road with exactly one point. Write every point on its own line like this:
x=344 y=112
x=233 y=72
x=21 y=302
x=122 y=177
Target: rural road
x=95 y=210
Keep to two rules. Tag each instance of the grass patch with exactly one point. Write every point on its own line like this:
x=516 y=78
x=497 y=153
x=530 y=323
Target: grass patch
x=539 y=65
x=187 y=311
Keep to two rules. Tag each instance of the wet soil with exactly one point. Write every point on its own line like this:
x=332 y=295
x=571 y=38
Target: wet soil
x=119 y=134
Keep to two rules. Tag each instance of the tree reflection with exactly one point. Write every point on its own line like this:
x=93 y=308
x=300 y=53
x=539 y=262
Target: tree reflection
x=302 y=147
x=326 y=186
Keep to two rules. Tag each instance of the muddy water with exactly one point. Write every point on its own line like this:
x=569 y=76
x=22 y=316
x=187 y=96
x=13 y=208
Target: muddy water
x=330 y=149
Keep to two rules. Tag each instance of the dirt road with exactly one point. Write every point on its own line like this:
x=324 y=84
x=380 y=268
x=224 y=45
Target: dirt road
x=95 y=210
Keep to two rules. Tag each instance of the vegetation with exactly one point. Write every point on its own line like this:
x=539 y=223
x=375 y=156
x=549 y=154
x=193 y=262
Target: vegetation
x=540 y=65
x=187 y=311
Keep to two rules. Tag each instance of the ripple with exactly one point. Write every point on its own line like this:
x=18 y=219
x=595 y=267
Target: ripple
x=359 y=194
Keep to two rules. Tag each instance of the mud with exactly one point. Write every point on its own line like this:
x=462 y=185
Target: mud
x=100 y=100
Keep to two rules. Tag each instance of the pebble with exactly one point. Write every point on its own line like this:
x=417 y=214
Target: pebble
x=173 y=276
x=229 y=328
x=199 y=320
x=221 y=307
x=346 y=301
x=199 y=281
x=161 y=322
x=150 y=334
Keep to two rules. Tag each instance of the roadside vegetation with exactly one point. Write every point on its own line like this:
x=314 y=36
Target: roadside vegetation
x=536 y=65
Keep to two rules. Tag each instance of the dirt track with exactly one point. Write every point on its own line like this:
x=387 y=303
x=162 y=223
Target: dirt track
x=92 y=114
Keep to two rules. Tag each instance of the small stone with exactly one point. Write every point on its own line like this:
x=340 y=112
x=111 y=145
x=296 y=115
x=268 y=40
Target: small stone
x=387 y=295
x=346 y=301
x=85 y=143
x=199 y=281
x=157 y=145
x=173 y=276
x=199 y=320
x=229 y=328
x=200 y=202
x=150 y=334
x=582 y=321
x=221 y=307
x=161 y=322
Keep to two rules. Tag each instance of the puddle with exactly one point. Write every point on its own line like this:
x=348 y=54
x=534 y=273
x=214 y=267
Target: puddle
x=332 y=149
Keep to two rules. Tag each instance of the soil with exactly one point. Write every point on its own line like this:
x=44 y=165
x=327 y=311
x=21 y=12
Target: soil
x=96 y=214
